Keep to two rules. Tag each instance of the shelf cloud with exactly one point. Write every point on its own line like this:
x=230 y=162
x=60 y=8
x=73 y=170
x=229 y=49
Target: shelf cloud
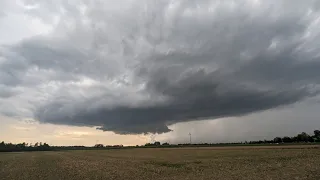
x=136 y=67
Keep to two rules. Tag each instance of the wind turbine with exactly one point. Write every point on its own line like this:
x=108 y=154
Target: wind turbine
x=190 y=137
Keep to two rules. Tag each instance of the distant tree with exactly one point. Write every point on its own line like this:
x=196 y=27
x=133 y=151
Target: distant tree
x=9 y=147
x=45 y=145
x=2 y=146
x=316 y=135
x=118 y=146
x=286 y=139
x=303 y=137
x=153 y=144
x=21 y=146
x=165 y=144
x=277 y=140
x=157 y=143
x=98 y=146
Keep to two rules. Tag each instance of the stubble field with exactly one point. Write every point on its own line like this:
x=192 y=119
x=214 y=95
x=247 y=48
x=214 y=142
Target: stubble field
x=295 y=162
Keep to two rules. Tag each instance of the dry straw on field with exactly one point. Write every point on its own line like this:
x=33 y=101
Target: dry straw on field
x=192 y=163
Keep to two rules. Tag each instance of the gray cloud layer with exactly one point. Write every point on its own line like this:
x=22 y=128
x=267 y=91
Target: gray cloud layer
x=139 y=66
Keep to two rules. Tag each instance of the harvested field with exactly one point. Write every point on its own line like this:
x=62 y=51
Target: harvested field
x=263 y=162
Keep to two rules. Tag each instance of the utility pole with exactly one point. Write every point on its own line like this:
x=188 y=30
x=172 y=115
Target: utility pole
x=190 y=137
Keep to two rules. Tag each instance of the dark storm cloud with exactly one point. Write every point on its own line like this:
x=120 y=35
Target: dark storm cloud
x=172 y=62
x=187 y=102
x=198 y=96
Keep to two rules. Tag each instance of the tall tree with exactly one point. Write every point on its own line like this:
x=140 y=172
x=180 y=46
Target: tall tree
x=277 y=140
x=286 y=139
x=303 y=137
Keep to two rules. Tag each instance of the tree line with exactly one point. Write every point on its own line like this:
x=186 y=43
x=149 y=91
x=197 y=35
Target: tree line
x=9 y=147
x=302 y=137
x=299 y=138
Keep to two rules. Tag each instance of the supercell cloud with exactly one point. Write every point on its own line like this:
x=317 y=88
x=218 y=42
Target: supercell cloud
x=137 y=66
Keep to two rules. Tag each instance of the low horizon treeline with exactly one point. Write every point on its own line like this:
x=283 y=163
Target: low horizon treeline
x=299 y=138
x=302 y=137
x=10 y=147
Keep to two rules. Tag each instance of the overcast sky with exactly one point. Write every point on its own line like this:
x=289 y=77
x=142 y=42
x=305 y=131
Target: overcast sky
x=115 y=72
